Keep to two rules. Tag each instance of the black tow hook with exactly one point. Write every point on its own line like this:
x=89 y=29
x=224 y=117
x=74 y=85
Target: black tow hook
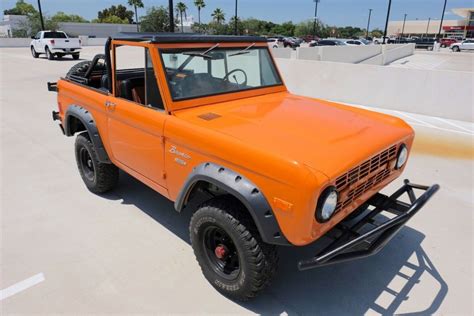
x=56 y=116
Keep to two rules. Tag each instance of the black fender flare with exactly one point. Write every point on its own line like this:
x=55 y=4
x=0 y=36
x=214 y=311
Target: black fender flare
x=85 y=117
x=241 y=188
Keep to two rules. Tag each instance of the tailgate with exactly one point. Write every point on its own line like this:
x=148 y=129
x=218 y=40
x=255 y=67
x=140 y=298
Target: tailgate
x=66 y=43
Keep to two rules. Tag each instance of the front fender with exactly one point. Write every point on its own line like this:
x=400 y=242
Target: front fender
x=241 y=188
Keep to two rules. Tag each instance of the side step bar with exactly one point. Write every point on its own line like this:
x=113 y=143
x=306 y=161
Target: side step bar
x=352 y=244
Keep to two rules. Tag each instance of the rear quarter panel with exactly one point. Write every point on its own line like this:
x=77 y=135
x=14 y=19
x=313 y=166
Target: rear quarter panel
x=91 y=99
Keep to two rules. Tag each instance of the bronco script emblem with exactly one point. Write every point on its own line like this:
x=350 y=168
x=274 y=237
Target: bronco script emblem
x=178 y=160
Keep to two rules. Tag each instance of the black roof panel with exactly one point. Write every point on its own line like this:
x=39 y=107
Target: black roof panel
x=185 y=38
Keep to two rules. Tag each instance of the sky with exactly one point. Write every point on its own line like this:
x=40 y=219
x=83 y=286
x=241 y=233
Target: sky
x=332 y=12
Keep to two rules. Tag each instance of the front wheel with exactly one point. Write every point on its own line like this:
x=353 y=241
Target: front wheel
x=34 y=53
x=49 y=55
x=98 y=177
x=456 y=49
x=228 y=247
x=75 y=56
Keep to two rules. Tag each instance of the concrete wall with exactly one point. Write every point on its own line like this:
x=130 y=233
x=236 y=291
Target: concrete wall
x=349 y=54
x=25 y=42
x=411 y=90
x=15 y=42
x=95 y=29
x=370 y=54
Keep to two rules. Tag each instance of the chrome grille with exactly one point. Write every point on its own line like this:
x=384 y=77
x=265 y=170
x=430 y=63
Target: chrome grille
x=368 y=174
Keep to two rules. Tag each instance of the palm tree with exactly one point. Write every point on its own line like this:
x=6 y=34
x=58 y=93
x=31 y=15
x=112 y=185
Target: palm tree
x=199 y=5
x=136 y=4
x=218 y=16
x=181 y=8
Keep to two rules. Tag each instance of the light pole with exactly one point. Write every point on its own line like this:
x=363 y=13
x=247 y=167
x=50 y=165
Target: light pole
x=442 y=19
x=428 y=27
x=316 y=2
x=368 y=24
x=41 y=15
x=403 y=27
x=235 y=18
x=386 y=21
x=171 y=8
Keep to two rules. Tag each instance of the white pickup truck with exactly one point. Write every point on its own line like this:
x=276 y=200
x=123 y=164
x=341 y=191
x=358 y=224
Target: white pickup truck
x=54 y=44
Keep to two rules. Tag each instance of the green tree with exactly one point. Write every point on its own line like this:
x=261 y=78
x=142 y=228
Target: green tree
x=376 y=33
x=155 y=20
x=306 y=28
x=136 y=4
x=63 y=17
x=181 y=9
x=120 y=11
x=200 y=4
x=218 y=16
x=33 y=24
x=286 y=28
x=240 y=26
x=21 y=8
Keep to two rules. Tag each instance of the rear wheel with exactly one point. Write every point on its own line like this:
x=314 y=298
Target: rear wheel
x=49 y=55
x=99 y=177
x=75 y=56
x=228 y=247
x=34 y=53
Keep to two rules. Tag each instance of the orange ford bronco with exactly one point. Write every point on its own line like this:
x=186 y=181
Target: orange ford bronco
x=207 y=122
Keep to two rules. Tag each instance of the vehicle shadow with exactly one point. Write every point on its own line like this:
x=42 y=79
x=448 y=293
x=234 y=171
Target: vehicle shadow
x=61 y=59
x=378 y=284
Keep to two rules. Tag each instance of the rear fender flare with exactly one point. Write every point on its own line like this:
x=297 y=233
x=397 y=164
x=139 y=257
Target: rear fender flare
x=86 y=118
x=242 y=189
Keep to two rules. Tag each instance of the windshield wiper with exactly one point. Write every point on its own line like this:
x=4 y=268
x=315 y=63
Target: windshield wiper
x=243 y=51
x=202 y=54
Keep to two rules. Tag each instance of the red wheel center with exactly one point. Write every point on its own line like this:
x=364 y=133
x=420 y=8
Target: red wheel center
x=220 y=251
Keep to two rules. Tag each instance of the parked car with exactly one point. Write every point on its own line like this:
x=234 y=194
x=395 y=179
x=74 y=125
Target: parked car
x=464 y=45
x=355 y=43
x=425 y=43
x=256 y=166
x=273 y=42
x=388 y=40
x=55 y=44
x=447 y=42
x=291 y=42
x=328 y=42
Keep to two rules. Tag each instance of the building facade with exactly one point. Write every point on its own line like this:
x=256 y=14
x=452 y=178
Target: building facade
x=462 y=28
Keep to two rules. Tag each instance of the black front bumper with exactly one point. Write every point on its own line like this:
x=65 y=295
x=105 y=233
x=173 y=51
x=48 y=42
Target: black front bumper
x=351 y=239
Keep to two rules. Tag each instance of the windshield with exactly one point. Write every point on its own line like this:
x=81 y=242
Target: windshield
x=193 y=73
x=54 y=35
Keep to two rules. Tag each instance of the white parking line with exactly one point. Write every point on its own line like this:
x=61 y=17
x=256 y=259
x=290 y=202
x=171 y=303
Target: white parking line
x=415 y=119
x=452 y=124
x=21 y=286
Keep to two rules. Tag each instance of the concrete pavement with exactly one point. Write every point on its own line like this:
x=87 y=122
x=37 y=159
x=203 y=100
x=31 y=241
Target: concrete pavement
x=128 y=251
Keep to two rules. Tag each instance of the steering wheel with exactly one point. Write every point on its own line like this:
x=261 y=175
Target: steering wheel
x=226 y=77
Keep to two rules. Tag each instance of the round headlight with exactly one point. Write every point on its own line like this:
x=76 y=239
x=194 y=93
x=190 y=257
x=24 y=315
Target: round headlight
x=327 y=204
x=402 y=156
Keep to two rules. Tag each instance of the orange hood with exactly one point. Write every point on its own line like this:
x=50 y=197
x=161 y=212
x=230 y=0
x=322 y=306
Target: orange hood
x=325 y=136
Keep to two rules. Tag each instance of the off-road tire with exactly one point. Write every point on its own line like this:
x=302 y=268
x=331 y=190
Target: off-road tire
x=105 y=176
x=34 y=53
x=49 y=55
x=258 y=261
x=75 y=56
x=79 y=69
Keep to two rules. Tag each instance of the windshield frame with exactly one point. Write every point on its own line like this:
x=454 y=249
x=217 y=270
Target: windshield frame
x=229 y=95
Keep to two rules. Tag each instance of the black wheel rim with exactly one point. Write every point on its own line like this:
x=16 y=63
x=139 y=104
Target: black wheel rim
x=221 y=253
x=87 y=164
